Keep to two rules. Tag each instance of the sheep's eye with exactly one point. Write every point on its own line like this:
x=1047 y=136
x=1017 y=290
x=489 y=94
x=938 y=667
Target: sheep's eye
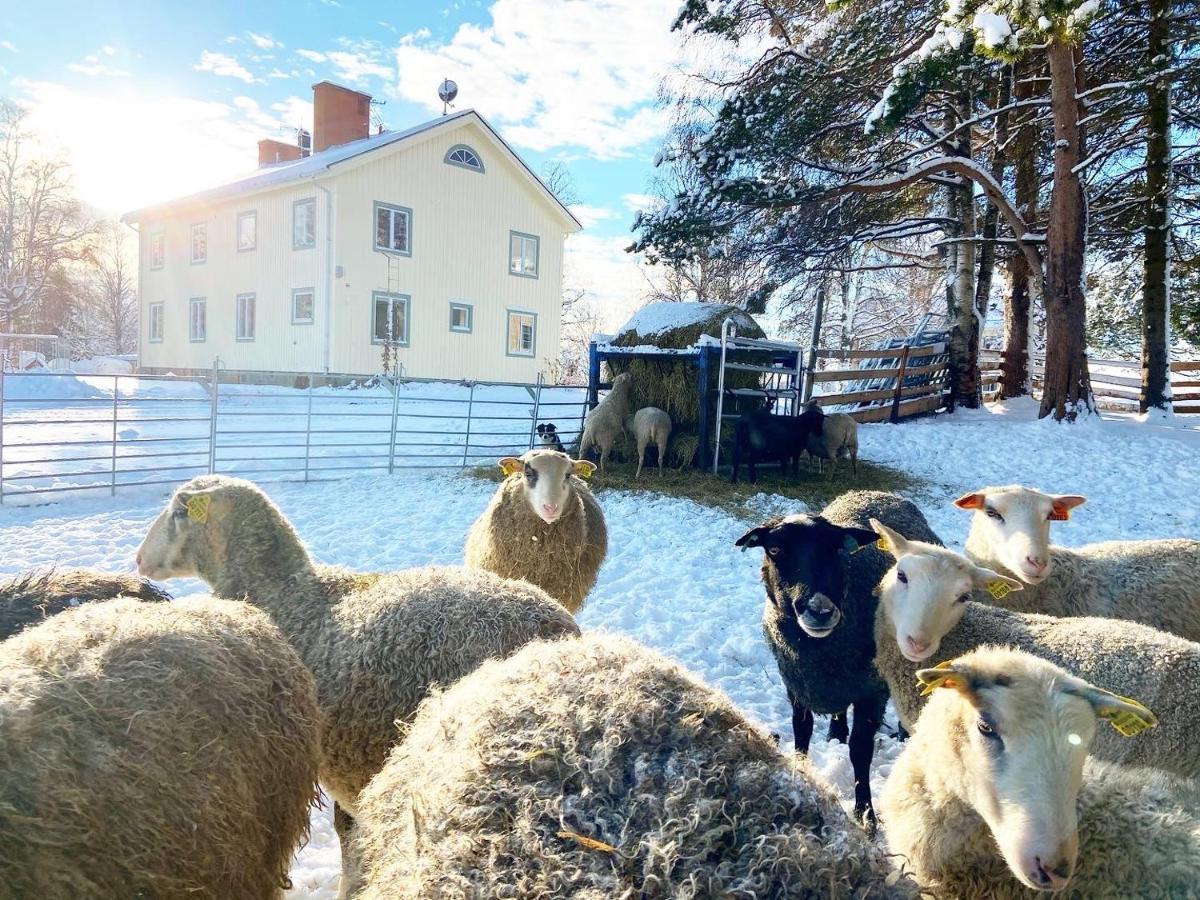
x=965 y=597
x=987 y=729
x=902 y=578
x=992 y=514
x=773 y=551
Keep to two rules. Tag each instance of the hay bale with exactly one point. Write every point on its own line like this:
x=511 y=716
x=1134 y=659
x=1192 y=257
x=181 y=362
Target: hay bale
x=36 y=595
x=673 y=384
x=597 y=768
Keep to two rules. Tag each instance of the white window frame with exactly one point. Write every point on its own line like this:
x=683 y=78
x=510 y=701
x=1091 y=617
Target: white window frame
x=154 y=316
x=307 y=242
x=299 y=292
x=392 y=300
x=251 y=216
x=508 y=323
x=393 y=209
x=455 y=306
x=517 y=261
x=201 y=304
x=241 y=304
x=198 y=228
x=158 y=249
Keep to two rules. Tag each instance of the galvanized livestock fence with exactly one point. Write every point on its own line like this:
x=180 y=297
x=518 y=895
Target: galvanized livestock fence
x=76 y=435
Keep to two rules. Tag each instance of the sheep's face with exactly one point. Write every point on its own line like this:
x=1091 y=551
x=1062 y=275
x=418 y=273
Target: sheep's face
x=1015 y=524
x=925 y=593
x=178 y=541
x=804 y=567
x=546 y=480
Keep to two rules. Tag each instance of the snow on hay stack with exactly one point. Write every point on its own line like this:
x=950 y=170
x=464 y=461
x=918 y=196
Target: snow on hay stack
x=673 y=384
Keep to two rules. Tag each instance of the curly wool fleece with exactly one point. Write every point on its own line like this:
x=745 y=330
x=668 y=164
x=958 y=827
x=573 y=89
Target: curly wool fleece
x=596 y=768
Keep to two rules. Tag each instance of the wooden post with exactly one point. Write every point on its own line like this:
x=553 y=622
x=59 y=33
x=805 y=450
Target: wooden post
x=811 y=368
x=899 y=385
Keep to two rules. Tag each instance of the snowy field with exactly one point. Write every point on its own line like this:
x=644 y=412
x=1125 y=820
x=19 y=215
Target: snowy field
x=673 y=579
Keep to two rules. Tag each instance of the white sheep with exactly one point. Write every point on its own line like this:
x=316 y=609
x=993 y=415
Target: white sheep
x=1152 y=582
x=838 y=440
x=925 y=616
x=606 y=422
x=162 y=750
x=376 y=642
x=543 y=526
x=993 y=796
x=649 y=425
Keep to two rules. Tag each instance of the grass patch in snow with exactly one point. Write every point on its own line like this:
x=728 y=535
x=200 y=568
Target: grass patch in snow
x=716 y=491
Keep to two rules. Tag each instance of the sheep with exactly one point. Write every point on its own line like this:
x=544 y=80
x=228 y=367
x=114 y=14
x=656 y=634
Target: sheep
x=34 y=596
x=154 y=750
x=548 y=436
x=375 y=642
x=926 y=616
x=820 y=574
x=761 y=434
x=993 y=796
x=1152 y=582
x=606 y=422
x=649 y=425
x=838 y=440
x=597 y=768
x=543 y=526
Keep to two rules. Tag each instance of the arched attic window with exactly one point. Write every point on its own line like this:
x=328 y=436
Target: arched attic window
x=464 y=156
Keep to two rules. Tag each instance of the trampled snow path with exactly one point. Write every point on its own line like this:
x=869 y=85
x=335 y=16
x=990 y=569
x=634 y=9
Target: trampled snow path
x=673 y=579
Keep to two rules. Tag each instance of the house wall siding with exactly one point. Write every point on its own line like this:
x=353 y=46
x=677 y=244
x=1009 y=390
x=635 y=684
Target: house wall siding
x=460 y=230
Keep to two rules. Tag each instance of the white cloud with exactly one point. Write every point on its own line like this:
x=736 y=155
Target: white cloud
x=311 y=55
x=638 y=202
x=357 y=66
x=262 y=41
x=223 y=64
x=109 y=49
x=555 y=74
x=592 y=215
x=278 y=73
x=92 y=67
x=9 y=46
x=615 y=281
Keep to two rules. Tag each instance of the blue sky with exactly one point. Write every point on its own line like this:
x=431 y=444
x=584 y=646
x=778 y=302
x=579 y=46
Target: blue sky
x=152 y=100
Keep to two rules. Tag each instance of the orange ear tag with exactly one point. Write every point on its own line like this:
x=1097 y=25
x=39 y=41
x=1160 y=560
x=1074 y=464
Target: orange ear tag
x=1059 y=515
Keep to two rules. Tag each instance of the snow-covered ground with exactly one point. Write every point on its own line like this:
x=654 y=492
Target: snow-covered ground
x=673 y=579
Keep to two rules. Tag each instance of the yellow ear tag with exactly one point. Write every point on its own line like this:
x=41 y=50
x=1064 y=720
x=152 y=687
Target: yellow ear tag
x=932 y=684
x=882 y=544
x=998 y=589
x=512 y=467
x=197 y=507
x=1129 y=723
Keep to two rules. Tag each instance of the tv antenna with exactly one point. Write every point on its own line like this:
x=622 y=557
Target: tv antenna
x=447 y=91
x=377 y=115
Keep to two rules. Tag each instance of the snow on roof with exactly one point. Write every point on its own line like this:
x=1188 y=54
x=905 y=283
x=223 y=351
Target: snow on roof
x=278 y=174
x=657 y=318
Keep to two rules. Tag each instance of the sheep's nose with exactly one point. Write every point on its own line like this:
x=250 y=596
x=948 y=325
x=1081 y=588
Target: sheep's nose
x=1053 y=876
x=551 y=509
x=1037 y=564
x=917 y=647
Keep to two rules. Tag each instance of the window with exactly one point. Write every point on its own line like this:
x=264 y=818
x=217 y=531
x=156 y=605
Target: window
x=523 y=254
x=245 y=317
x=393 y=229
x=522 y=333
x=156 y=323
x=247 y=231
x=304 y=305
x=461 y=315
x=200 y=242
x=158 y=250
x=197 y=319
x=304 y=224
x=389 y=319
x=462 y=155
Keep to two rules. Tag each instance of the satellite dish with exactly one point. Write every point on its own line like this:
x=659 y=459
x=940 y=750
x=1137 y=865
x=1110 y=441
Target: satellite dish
x=447 y=91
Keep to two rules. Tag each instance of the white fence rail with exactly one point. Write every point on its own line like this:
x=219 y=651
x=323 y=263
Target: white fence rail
x=76 y=435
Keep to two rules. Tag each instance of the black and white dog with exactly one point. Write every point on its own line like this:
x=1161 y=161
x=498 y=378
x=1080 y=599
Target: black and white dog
x=549 y=437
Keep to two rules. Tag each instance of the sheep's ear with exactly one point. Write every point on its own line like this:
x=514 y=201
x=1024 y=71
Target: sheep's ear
x=946 y=674
x=1063 y=504
x=510 y=465
x=583 y=467
x=970 y=501
x=855 y=539
x=889 y=541
x=194 y=505
x=752 y=538
x=1127 y=716
x=999 y=586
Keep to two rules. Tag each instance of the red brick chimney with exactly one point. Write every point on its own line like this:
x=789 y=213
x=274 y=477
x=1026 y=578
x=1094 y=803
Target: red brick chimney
x=271 y=151
x=340 y=115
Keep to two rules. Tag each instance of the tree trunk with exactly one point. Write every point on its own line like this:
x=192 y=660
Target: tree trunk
x=1066 y=388
x=991 y=218
x=1014 y=380
x=964 y=334
x=1156 y=283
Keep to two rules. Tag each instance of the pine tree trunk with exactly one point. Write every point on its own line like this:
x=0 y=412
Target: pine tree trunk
x=1156 y=283
x=991 y=218
x=1066 y=388
x=1015 y=377
x=964 y=335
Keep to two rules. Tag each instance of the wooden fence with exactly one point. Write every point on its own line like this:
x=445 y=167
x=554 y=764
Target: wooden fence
x=1116 y=383
x=917 y=378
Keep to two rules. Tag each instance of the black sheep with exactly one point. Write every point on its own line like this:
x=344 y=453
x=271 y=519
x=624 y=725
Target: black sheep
x=820 y=574
x=761 y=435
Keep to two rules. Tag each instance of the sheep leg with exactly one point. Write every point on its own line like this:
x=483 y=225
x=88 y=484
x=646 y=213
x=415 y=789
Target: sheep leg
x=802 y=725
x=343 y=824
x=868 y=715
x=641 y=457
x=839 y=730
x=662 y=453
x=854 y=461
